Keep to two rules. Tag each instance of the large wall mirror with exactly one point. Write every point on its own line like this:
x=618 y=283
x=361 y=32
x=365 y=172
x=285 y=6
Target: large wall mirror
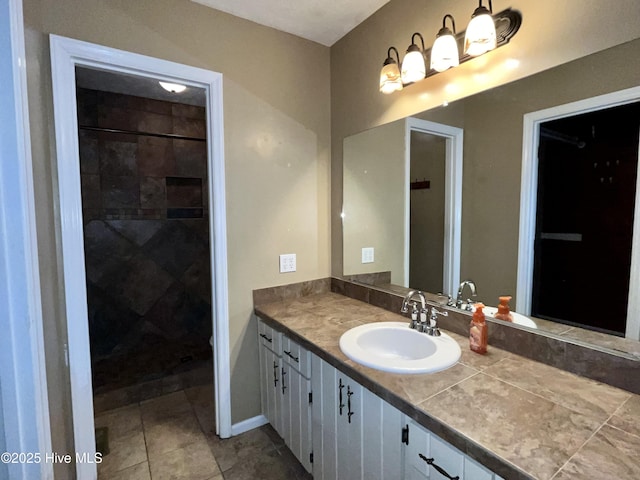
x=489 y=213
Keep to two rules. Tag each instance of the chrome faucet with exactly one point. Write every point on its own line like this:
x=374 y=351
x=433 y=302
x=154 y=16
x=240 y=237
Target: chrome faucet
x=432 y=328
x=408 y=300
x=472 y=287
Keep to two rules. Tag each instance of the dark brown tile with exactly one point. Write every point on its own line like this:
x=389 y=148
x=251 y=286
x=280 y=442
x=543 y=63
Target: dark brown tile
x=91 y=196
x=153 y=192
x=190 y=158
x=155 y=157
x=154 y=123
x=189 y=127
x=189 y=111
x=119 y=191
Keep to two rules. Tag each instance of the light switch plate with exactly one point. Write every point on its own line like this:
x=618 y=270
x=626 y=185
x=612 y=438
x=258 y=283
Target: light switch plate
x=367 y=255
x=287 y=262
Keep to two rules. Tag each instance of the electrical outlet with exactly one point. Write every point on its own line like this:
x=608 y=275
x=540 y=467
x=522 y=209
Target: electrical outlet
x=287 y=262
x=367 y=255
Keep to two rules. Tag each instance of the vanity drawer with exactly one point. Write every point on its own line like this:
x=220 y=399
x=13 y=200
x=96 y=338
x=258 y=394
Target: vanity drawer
x=296 y=356
x=270 y=338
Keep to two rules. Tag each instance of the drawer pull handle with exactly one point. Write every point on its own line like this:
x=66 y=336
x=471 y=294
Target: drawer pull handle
x=340 y=404
x=297 y=359
x=441 y=471
x=266 y=338
x=275 y=374
x=349 y=412
x=284 y=372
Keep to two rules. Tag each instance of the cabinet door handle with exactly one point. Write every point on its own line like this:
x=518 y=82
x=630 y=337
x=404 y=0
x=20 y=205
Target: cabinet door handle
x=340 y=404
x=284 y=387
x=291 y=356
x=275 y=374
x=266 y=338
x=349 y=412
x=441 y=471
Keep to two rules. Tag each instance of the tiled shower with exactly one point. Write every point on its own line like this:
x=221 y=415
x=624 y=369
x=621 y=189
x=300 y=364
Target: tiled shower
x=143 y=168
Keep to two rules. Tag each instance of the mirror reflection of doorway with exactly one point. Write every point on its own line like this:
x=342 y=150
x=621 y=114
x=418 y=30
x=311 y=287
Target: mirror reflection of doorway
x=587 y=177
x=427 y=206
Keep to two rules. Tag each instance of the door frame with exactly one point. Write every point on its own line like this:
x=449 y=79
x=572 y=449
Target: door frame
x=66 y=54
x=24 y=406
x=529 y=198
x=453 y=198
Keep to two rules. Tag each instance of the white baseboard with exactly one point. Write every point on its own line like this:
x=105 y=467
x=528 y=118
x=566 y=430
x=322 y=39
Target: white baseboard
x=248 y=424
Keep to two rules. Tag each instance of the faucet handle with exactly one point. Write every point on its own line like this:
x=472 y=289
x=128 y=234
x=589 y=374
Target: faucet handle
x=433 y=321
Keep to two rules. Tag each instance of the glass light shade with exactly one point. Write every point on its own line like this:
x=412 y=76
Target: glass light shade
x=413 y=67
x=444 y=53
x=173 y=87
x=390 y=80
x=481 y=35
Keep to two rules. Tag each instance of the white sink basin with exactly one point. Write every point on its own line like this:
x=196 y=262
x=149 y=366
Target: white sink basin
x=517 y=318
x=394 y=347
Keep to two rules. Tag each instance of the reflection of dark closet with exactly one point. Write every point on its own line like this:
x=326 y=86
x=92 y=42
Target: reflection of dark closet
x=586 y=196
x=143 y=168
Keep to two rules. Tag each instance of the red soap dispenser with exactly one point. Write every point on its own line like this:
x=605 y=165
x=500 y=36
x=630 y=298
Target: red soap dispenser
x=478 y=334
x=504 y=312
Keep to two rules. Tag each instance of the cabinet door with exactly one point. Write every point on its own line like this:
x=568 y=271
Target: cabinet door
x=323 y=419
x=424 y=445
x=349 y=425
x=381 y=439
x=299 y=413
x=418 y=444
x=270 y=365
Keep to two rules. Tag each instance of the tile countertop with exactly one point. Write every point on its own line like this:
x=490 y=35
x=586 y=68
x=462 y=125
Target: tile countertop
x=520 y=418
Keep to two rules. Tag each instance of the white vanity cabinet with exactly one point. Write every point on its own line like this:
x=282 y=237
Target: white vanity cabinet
x=285 y=390
x=356 y=434
x=427 y=456
x=296 y=400
x=339 y=430
x=271 y=375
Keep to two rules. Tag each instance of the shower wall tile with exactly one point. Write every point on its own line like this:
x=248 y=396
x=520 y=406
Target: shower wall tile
x=89 y=162
x=155 y=157
x=190 y=158
x=154 y=123
x=148 y=278
x=118 y=158
x=189 y=127
x=120 y=191
x=189 y=111
x=116 y=117
x=105 y=250
x=90 y=187
x=184 y=192
x=175 y=247
x=153 y=192
x=139 y=284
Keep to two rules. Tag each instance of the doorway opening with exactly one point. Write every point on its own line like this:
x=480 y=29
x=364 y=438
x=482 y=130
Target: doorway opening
x=578 y=210
x=66 y=55
x=143 y=169
x=438 y=155
x=587 y=176
x=427 y=187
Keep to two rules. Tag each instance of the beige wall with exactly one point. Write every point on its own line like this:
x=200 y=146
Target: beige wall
x=277 y=146
x=552 y=33
x=374 y=200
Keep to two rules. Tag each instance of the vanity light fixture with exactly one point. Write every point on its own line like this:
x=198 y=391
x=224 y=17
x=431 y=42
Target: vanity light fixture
x=504 y=25
x=173 y=87
x=444 y=53
x=481 y=31
x=390 y=80
x=413 y=65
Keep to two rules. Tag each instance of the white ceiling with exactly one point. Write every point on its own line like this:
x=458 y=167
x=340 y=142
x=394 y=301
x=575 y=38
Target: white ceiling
x=323 y=21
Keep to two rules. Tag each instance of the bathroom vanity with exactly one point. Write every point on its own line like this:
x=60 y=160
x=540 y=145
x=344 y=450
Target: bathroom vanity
x=489 y=416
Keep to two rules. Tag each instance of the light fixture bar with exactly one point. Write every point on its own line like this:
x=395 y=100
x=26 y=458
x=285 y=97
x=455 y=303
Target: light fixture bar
x=507 y=24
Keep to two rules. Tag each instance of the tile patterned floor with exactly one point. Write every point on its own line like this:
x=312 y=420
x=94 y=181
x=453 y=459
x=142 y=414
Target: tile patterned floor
x=173 y=437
